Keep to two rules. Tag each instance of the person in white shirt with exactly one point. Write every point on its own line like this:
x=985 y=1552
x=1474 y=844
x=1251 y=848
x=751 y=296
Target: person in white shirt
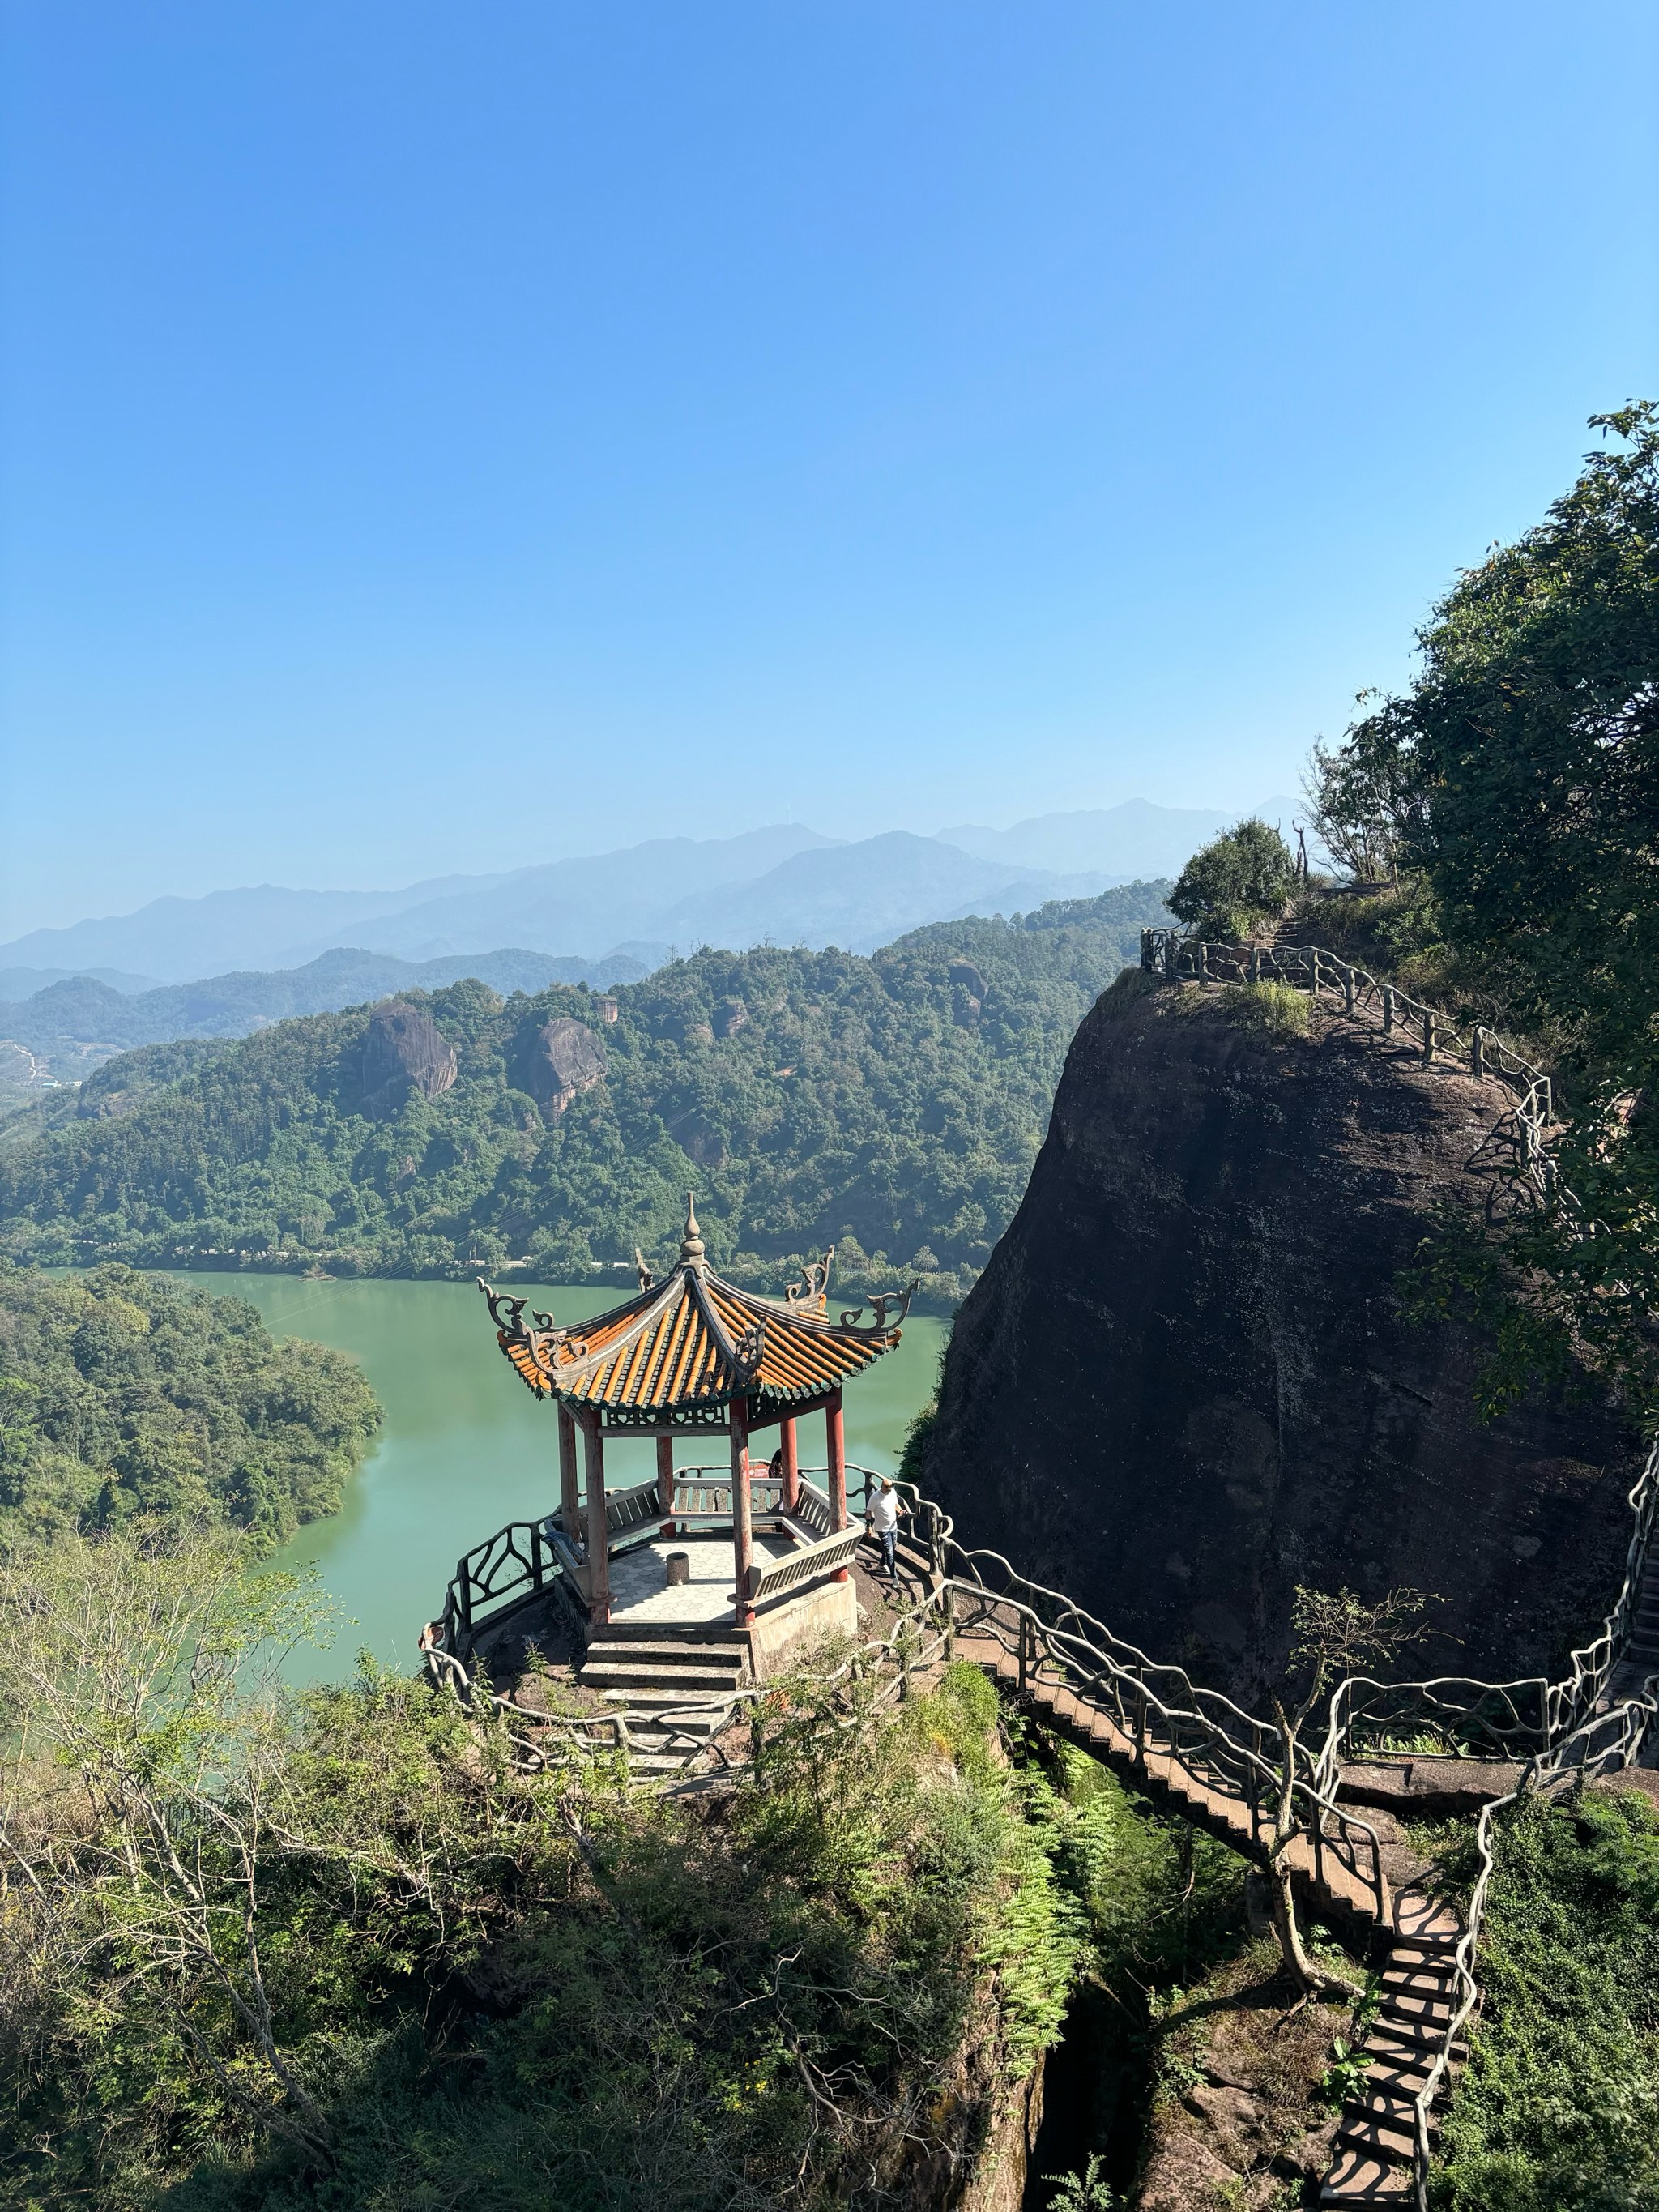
x=883 y=1518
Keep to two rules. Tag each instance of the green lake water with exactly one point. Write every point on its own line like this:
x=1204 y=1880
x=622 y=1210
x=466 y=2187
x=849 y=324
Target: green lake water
x=466 y=1449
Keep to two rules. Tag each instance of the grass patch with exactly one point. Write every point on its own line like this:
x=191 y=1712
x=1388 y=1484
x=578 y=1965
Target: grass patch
x=1275 y=1009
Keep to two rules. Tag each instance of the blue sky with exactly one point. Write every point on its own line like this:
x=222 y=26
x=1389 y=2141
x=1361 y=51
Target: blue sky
x=449 y=438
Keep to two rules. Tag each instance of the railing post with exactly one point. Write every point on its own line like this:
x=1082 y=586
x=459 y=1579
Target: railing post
x=536 y=1568
x=1388 y=1010
x=464 y=1594
x=1478 y=1053
x=1256 y=963
x=1147 y=948
x=1428 y=1037
x=1140 y=1724
x=1025 y=1651
x=1201 y=957
x=1348 y=988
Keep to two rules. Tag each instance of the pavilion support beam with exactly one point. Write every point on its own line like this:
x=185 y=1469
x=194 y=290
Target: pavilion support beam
x=790 y=1463
x=835 y=1438
x=743 y=1533
x=570 y=1503
x=598 y=1555
x=665 y=1482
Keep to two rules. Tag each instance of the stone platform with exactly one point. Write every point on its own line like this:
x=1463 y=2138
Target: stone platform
x=640 y=1596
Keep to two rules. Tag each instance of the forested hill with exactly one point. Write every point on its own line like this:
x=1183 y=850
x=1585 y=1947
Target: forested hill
x=125 y=1395
x=891 y=1105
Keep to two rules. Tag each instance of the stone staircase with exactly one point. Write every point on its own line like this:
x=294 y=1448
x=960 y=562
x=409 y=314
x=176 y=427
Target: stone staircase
x=643 y=1675
x=1640 y=1657
x=1377 y=2134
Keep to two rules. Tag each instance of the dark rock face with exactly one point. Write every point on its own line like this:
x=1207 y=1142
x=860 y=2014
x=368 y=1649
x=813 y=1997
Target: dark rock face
x=402 y=1052
x=1184 y=1384
x=562 y=1059
x=730 y=1015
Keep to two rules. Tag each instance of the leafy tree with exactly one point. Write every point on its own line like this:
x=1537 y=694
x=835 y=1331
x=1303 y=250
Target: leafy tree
x=1359 y=805
x=1521 y=776
x=1235 y=882
x=1330 y=1638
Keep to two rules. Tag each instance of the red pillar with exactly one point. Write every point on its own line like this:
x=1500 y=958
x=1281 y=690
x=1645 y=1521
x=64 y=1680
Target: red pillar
x=570 y=1517
x=599 y=1557
x=835 y=1437
x=791 y=1465
x=743 y=1536
x=665 y=1482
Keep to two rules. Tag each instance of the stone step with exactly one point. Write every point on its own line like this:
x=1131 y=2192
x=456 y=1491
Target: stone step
x=1412 y=2045
x=658 y=1703
x=719 y=1636
x=1411 y=1980
x=1416 y=2011
x=1383 y=2140
x=1360 y=2177
x=664 y=1650
x=686 y=1682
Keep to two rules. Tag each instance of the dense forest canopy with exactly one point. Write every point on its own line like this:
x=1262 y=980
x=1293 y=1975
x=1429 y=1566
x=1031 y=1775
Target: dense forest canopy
x=892 y=1106
x=126 y=1396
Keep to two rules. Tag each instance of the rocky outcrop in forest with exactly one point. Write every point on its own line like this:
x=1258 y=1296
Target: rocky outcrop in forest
x=402 y=1052
x=560 y=1060
x=1186 y=1382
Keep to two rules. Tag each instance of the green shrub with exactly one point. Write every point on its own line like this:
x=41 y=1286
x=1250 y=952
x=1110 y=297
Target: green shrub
x=1243 y=876
x=1558 y=2109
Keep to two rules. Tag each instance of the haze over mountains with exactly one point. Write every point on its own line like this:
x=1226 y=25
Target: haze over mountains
x=785 y=883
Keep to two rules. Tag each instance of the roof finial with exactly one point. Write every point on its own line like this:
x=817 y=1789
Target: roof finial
x=692 y=1247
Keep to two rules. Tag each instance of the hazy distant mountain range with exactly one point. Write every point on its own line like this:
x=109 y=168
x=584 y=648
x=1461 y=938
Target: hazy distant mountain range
x=785 y=883
x=81 y=1011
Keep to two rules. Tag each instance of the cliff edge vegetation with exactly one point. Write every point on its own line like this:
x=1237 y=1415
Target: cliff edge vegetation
x=337 y=1949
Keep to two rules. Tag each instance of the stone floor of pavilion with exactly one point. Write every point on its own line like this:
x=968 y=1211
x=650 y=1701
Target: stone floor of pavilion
x=642 y=1594
x=540 y=1637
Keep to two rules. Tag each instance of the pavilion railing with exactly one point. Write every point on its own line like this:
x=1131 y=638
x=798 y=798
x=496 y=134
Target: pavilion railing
x=521 y=1562
x=811 y=1563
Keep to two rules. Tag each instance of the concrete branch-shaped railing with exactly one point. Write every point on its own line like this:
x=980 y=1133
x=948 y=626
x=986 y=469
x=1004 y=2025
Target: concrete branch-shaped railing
x=1479 y=1052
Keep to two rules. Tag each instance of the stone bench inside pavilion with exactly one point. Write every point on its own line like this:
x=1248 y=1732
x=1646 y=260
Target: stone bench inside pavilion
x=753 y=1557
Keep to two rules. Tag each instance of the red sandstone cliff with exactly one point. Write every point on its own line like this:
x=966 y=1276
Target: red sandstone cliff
x=1184 y=1384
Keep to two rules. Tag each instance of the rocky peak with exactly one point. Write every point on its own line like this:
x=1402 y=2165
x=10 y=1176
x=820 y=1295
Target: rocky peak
x=403 y=1053
x=1185 y=1384
x=562 y=1059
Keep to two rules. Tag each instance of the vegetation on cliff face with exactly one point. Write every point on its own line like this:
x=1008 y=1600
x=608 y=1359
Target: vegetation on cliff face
x=892 y=1106
x=1558 y=2108
x=336 y=1950
x=125 y=1395
x=1518 y=779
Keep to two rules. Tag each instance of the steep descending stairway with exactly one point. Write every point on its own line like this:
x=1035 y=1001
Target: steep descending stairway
x=1377 y=2136
x=1640 y=1658
x=676 y=1683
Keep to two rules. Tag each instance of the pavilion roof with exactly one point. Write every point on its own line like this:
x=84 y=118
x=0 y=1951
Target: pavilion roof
x=693 y=1343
